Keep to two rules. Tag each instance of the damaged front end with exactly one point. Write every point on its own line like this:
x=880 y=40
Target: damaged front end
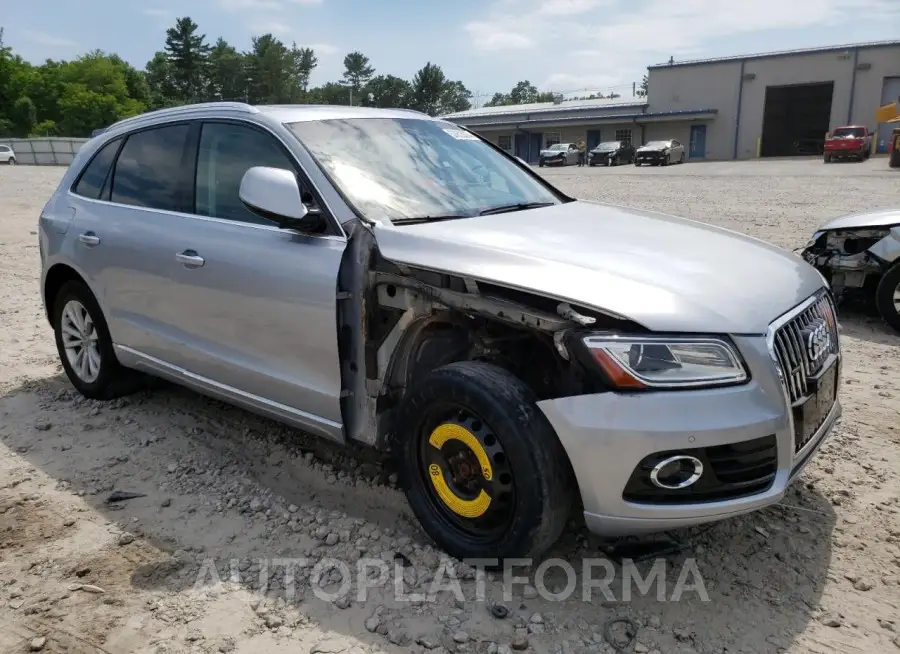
x=397 y=322
x=859 y=256
x=852 y=260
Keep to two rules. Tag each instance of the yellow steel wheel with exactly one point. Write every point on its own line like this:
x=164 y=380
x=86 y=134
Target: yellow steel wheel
x=467 y=471
x=467 y=508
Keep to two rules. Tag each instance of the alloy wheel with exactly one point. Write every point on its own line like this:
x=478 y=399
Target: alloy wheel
x=80 y=341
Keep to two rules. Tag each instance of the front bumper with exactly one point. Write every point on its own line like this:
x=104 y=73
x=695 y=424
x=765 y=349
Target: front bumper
x=607 y=436
x=650 y=157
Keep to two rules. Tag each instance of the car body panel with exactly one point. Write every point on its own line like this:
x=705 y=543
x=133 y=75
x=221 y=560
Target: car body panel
x=624 y=153
x=635 y=425
x=256 y=321
x=883 y=218
x=653 y=153
x=7 y=154
x=608 y=258
x=562 y=157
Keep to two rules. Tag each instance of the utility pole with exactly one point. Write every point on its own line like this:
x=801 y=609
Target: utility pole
x=633 y=89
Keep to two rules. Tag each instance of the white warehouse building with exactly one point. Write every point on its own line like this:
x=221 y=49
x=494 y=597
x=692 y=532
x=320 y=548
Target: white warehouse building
x=761 y=105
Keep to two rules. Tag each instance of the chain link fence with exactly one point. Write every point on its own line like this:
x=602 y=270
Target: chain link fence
x=51 y=151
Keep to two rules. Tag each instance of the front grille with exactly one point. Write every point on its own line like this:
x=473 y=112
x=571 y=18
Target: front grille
x=804 y=348
x=794 y=352
x=729 y=472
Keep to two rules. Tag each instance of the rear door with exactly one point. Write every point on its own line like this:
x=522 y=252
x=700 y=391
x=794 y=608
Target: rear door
x=255 y=304
x=125 y=217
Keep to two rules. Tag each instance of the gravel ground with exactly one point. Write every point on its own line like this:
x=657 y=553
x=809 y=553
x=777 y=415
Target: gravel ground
x=221 y=487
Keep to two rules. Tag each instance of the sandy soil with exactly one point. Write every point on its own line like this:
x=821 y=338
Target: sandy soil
x=819 y=572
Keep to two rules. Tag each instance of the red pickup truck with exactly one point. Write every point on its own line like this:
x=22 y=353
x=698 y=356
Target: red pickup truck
x=851 y=141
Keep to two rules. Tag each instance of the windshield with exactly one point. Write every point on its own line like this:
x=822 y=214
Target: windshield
x=559 y=146
x=657 y=144
x=858 y=132
x=408 y=168
x=608 y=145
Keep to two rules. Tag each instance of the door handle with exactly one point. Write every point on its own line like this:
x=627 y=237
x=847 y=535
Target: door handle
x=190 y=259
x=89 y=238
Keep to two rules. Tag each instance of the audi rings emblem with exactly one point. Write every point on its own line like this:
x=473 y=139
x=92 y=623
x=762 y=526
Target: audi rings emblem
x=680 y=463
x=818 y=341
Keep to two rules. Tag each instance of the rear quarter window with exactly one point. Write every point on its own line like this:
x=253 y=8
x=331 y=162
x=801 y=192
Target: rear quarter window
x=93 y=177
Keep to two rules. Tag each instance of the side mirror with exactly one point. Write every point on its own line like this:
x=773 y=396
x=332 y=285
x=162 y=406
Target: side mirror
x=273 y=194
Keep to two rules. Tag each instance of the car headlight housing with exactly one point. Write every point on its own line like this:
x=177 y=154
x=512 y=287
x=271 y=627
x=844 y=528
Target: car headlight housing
x=637 y=363
x=812 y=241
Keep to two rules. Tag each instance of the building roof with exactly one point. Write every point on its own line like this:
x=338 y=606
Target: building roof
x=548 y=107
x=781 y=53
x=595 y=117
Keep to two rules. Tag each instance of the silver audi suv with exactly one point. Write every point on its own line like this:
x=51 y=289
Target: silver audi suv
x=389 y=278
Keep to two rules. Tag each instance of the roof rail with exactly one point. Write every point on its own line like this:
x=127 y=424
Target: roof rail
x=186 y=109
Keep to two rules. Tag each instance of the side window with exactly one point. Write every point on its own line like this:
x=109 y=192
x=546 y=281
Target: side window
x=93 y=177
x=148 y=172
x=227 y=151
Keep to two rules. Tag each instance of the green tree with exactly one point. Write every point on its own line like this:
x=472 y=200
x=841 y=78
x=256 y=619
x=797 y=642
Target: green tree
x=643 y=87
x=226 y=73
x=357 y=71
x=330 y=93
x=303 y=62
x=188 y=52
x=387 y=91
x=428 y=86
x=455 y=97
x=160 y=82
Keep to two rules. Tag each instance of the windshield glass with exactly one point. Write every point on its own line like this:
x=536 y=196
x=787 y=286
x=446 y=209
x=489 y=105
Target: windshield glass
x=850 y=131
x=608 y=145
x=402 y=168
x=657 y=144
x=559 y=146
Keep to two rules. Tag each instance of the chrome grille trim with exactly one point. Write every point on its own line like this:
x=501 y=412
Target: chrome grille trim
x=782 y=339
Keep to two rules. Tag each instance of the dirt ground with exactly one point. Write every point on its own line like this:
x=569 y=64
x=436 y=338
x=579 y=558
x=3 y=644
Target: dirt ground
x=819 y=572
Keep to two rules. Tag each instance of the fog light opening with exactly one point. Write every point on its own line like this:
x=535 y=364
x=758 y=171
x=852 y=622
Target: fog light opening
x=676 y=472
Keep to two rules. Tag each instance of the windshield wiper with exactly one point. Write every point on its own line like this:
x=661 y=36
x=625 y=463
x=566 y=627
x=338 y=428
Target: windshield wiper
x=429 y=219
x=521 y=206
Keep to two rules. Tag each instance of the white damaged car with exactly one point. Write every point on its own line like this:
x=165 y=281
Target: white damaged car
x=859 y=255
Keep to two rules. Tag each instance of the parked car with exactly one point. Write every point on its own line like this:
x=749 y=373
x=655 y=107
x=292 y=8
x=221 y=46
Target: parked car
x=7 y=155
x=560 y=154
x=853 y=142
x=611 y=153
x=660 y=153
x=343 y=270
x=859 y=255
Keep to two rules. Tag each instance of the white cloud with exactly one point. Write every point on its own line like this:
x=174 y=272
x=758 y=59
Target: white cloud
x=489 y=37
x=269 y=27
x=42 y=38
x=254 y=5
x=598 y=44
x=321 y=49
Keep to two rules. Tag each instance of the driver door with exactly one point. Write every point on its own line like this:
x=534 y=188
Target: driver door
x=256 y=304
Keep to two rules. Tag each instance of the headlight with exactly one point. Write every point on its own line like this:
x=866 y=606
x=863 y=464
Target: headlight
x=639 y=363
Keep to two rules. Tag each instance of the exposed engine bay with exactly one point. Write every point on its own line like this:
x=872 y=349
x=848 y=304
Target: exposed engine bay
x=846 y=259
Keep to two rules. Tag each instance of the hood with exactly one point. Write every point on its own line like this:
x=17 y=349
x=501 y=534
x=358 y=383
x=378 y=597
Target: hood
x=666 y=273
x=882 y=218
x=551 y=153
x=652 y=148
x=608 y=149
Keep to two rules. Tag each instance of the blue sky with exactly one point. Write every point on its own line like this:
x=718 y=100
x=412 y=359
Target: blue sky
x=559 y=45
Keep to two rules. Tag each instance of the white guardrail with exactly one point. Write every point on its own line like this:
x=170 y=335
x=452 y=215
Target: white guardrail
x=49 y=151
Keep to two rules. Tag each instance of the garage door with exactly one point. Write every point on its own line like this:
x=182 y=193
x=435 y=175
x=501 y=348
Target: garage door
x=890 y=93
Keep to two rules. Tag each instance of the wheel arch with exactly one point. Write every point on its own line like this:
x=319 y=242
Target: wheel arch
x=57 y=275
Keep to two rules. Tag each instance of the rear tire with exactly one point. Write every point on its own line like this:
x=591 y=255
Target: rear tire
x=887 y=298
x=499 y=485
x=12 y=162
x=85 y=347
x=827 y=158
